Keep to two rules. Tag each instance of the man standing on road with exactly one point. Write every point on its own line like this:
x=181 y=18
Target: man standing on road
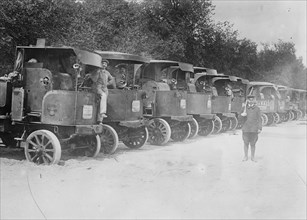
x=101 y=79
x=252 y=126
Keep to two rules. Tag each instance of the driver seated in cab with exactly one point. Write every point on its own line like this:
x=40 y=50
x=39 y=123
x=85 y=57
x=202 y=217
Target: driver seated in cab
x=120 y=75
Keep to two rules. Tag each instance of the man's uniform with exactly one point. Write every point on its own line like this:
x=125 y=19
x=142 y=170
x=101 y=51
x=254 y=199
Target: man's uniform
x=100 y=80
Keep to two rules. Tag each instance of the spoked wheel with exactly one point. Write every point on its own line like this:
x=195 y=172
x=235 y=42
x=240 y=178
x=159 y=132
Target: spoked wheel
x=276 y=118
x=85 y=145
x=291 y=115
x=93 y=144
x=234 y=123
x=194 y=128
x=206 y=127
x=281 y=116
x=286 y=117
x=217 y=124
x=180 y=130
x=226 y=124
x=264 y=119
x=159 y=131
x=8 y=139
x=299 y=114
x=270 y=119
x=136 y=137
x=108 y=139
x=294 y=115
x=43 y=147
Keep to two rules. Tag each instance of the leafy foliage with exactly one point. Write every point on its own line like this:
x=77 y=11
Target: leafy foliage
x=279 y=64
x=23 y=21
x=162 y=29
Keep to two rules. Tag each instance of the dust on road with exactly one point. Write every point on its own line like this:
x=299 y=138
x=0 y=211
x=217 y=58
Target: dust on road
x=201 y=178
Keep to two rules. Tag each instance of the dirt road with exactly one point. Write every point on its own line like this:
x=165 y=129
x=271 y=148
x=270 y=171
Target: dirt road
x=201 y=178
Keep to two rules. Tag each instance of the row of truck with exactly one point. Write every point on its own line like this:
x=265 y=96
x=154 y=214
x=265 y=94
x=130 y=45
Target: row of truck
x=47 y=106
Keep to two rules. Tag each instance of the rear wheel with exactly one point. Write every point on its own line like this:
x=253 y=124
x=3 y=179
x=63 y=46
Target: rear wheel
x=86 y=145
x=304 y=114
x=136 y=137
x=194 y=128
x=43 y=147
x=206 y=127
x=180 y=131
x=94 y=145
x=217 y=124
x=109 y=139
x=159 y=131
x=234 y=123
x=226 y=124
x=276 y=118
x=270 y=119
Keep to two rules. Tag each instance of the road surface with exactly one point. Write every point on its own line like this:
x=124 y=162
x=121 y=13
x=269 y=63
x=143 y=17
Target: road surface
x=203 y=178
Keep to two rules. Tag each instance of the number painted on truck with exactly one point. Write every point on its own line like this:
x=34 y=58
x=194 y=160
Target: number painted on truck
x=87 y=112
x=183 y=103
x=136 y=105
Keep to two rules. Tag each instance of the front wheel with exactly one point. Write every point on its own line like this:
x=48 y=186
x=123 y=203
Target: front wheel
x=276 y=118
x=43 y=147
x=217 y=124
x=109 y=139
x=281 y=116
x=233 y=123
x=136 y=137
x=159 y=131
x=194 y=128
x=291 y=115
x=299 y=114
x=180 y=131
x=264 y=119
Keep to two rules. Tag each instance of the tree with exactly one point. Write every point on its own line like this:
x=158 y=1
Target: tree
x=179 y=30
x=279 y=64
x=176 y=25
x=23 y=21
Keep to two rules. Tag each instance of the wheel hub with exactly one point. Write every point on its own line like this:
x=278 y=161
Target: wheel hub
x=156 y=131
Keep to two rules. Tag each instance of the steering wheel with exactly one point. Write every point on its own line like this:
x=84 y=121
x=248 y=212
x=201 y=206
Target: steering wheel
x=121 y=84
x=173 y=81
x=85 y=84
x=45 y=81
x=200 y=85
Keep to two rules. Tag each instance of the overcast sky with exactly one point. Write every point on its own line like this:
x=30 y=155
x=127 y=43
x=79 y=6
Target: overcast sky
x=267 y=21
